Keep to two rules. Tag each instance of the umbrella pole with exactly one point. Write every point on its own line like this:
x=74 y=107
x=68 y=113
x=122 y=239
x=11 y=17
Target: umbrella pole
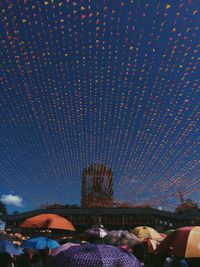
x=46 y=250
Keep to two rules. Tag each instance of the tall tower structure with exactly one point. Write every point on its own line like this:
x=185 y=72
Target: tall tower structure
x=97 y=187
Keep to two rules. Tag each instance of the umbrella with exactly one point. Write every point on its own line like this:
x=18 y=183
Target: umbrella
x=144 y=232
x=70 y=239
x=150 y=244
x=40 y=243
x=163 y=235
x=121 y=238
x=66 y=246
x=95 y=255
x=97 y=231
x=183 y=242
x=53 y=221
x=7 y=246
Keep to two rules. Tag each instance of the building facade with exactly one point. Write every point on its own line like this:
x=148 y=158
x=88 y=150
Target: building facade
x=113 y=218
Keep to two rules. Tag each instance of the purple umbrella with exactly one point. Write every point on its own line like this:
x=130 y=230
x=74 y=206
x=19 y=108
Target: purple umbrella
x=121 y=238
x=97 y=231
x=94 y=255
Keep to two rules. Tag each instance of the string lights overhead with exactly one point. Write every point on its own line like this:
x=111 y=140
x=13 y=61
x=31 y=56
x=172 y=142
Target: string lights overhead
x=111 y=82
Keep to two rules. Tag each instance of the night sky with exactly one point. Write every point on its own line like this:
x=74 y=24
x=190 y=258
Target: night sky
x=111 y=82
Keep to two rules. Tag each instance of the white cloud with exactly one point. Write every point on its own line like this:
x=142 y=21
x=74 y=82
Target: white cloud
x=12 y=200
x=160 y=208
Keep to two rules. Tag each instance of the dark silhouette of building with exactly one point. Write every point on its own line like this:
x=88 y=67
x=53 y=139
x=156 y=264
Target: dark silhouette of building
x=112 y=218
x=97 y=187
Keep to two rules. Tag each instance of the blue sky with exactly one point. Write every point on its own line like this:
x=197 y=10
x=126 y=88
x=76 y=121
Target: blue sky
x=112 y=82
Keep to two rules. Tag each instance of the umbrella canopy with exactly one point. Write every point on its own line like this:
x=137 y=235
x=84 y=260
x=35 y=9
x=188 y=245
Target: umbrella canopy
x=150 y=244
x=95 y=255
x=163 y=235
x=144 y=232
x=40 y=243
x=97 y=231
x=121 y=238
x=53 y=221
x=183 y=242
x=63 y=247
x=7 y=246
x=70 y=239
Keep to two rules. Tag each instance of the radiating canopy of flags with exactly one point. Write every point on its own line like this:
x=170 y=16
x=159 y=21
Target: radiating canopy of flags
x=111 y=82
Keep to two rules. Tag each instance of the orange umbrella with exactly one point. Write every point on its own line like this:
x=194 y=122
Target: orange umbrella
x=52 y=221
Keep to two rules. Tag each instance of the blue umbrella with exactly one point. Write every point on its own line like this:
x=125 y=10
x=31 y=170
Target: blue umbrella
x=7 y=246
x=40 y=243
x=99 y=255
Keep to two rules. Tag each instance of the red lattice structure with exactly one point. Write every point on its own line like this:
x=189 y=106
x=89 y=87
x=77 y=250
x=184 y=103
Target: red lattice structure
x=97 y=187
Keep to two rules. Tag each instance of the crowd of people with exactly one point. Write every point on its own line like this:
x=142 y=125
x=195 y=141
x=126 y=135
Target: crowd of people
x=139 y=253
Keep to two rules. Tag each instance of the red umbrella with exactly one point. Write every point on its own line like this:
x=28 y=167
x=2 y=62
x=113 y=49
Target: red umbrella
x=183 y=242
x=163 y=235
